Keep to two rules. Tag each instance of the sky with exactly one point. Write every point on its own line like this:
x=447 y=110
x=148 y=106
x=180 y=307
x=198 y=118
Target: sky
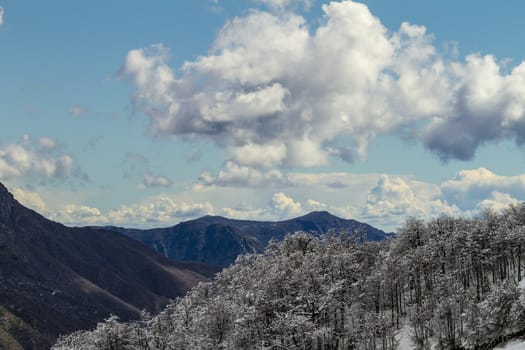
x=145 y=114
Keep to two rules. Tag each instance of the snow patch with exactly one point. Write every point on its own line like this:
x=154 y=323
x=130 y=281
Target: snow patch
x=521 y=284
x=404 y=338
x=513 y=344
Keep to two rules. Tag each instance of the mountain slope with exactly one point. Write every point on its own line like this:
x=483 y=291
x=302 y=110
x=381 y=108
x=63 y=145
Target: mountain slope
x=218 y=240
x=55 y=279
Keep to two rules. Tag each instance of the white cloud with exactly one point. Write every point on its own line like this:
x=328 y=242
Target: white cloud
x=74 y=214
x=279 y=207
x=154 y=181
x=230 y=106
x=470 y=187
x=498 y=201
x=264 y=156
x=39 y=159
x=70 y=214
x=282 y=4
x=384 y=201
x=286 y=206
x=312 y=204
x=156 y=211
x=303 y=93
x=30 y=199
x=47 y=143
x=235 y=175
x=489 y=105
x=241 y=212
x=381 y=200
x=394 y=199
x=2 y=13
x=159 y=210
x=77 y=110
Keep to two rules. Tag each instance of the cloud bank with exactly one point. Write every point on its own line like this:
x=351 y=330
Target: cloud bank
x=156 y=211
x=384 y=201
x=300 y=94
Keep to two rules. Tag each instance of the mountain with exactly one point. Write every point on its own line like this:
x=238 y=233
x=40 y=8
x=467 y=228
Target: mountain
x=218 y=240
x=56 y=279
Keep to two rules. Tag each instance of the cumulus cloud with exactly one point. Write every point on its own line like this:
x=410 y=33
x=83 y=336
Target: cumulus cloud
x=246 y=212
x=498 y=201
x=381 y=200
x=384 y=201
x=489 y=106
x=279 y=207
x=79 y=215
x=394 y=198
x=30 y=199
x=303 y=93
x=156 y=211
x=286 y=205
x=2 y=12
x=235 y=175
x=34 y=158
x=316 y=205
x=470 y=187
x=71 y=214
x=160 y=210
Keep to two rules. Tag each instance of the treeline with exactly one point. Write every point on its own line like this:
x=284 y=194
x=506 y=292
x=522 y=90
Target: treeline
x=453 y=282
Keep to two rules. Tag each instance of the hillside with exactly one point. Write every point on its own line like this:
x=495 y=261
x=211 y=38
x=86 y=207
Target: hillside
x=55 y=279
x=217 y=240
x=450 y=283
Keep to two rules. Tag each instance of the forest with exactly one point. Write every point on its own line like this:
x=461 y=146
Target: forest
x=450 y=283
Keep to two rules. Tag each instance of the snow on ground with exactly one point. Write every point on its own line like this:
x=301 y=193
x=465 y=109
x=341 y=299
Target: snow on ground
x=513 y=345
x=404 y=338
x=405 y=334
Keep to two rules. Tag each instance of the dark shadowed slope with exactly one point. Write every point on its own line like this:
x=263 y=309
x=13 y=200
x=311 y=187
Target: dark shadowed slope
x=55 y=279
x=218 y=240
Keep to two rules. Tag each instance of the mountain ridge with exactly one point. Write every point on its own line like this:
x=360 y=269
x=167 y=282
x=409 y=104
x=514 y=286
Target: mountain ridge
x=218 y=240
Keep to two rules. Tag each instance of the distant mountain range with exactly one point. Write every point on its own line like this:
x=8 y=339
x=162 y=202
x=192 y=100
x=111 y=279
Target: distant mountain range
x=55 y=279
x=217 y=240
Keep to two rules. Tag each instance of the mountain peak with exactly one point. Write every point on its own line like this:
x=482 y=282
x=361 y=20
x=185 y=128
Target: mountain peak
x=7 y=202
x=318 y=216
x=4 y=191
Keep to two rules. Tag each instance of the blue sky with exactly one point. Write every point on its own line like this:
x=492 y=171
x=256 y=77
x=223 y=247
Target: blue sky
x=140 y=114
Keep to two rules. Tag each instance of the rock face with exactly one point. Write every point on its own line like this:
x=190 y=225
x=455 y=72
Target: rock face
x=56 y=279
x=218 y=240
